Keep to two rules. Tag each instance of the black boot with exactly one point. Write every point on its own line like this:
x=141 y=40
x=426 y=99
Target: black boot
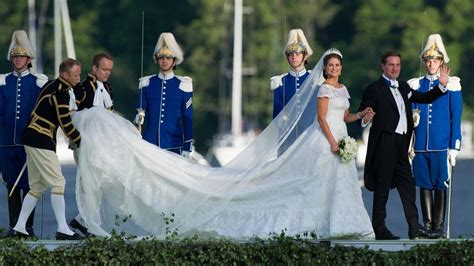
x=14 y=206
x=426 y=201
x=439 y=214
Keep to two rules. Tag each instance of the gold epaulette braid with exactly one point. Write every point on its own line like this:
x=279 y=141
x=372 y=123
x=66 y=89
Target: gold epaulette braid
x=42 y=125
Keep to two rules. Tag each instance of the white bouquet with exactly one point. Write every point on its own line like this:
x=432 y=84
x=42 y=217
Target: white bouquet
x=347 y=149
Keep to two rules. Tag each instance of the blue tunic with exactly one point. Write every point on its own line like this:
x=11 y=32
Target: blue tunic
x=439 y=129
x=167 y=101
x=18 y=94
x=285 y=86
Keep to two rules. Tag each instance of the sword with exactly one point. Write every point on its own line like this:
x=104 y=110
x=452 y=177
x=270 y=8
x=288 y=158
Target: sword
x=140 y=111
x=17 y=179
x=450 y=187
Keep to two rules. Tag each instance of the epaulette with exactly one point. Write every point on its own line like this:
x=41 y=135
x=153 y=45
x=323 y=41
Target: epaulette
x=186 y=84
x=414 y=83
x=144 y=81
x=454 y=84
x=3 y=79
x=277 y=81
x=41 y=79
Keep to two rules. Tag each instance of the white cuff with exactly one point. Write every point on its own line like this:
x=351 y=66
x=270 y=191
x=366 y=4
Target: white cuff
x=364 y=124
x=442 y=88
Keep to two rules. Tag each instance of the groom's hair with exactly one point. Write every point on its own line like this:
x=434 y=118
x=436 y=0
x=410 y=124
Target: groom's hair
x=383 y=59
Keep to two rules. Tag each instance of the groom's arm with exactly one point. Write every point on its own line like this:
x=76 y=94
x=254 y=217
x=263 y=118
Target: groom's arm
x=425 y=97
x=368 y=100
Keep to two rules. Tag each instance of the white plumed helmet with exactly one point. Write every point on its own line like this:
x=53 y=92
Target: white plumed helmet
x=434 y=49
x=20 y=45
x=166 y=46
x=297 y=43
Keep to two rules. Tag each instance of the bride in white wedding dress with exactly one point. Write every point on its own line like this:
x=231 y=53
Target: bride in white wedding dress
x=305 y=189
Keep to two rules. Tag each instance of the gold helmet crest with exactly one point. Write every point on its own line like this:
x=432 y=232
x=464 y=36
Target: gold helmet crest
x=166 y=46
x=295 y=48
x=18 y=51
x=165 y=52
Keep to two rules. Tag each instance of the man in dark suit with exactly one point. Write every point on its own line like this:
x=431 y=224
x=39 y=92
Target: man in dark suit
x=98 y=91
x=387 y=165
x=53 y=109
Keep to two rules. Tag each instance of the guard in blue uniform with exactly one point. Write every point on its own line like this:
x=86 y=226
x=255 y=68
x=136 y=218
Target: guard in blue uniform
x=286 y=85
x=437 y=137
x=165 y=101
x=18 y=93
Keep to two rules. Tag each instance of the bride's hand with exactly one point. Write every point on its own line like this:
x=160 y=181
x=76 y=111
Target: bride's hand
x=335 y=148
x=364 y=112
x=368 y=117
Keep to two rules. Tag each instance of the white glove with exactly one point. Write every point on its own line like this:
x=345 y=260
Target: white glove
x=139 y=117
x=185 y=154
x=411 y=154
x=452 y=156
x=416 y=117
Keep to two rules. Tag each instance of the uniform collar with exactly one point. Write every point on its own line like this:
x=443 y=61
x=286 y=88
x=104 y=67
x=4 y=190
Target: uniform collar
x=65 y=83
x=23 y=73
x=161 y=75
x=295 y=73
x=92 y=77
x=432 y=77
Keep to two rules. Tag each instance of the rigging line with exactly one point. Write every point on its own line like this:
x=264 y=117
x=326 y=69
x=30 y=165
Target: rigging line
x=141 y=60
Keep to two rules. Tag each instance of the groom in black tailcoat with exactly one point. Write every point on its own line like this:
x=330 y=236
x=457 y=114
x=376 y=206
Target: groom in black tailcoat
x=387 y=165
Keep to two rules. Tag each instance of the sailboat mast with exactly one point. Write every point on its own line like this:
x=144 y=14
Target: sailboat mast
x=32 y=28
x=58 y=48
x=61 y=11
x=71 y=52
x=237 y=72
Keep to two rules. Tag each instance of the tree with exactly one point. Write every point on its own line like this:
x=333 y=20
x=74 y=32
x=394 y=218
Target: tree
x=460 y=44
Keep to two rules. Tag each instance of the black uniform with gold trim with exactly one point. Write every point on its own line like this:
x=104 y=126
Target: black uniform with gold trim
x=90 y=86
x=52 y=111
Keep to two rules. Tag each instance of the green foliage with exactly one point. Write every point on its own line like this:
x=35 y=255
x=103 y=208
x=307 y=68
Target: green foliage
x=279 y=249
x=171 y=232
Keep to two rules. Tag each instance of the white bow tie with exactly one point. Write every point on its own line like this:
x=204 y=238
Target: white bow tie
x=394 y=84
